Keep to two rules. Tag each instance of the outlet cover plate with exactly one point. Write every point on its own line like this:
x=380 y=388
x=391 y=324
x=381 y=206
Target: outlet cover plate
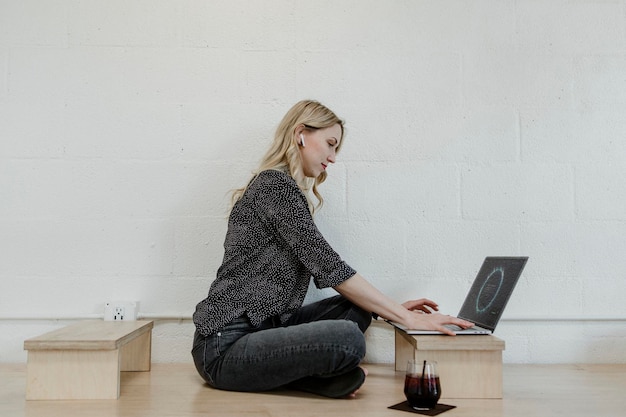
x=121 y=310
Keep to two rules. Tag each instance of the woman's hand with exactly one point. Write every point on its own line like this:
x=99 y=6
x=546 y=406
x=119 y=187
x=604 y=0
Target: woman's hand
x=436 y=321
x=423 y=304
x=414 y=314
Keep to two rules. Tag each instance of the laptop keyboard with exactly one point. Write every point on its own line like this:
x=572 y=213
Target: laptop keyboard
x=456 y=328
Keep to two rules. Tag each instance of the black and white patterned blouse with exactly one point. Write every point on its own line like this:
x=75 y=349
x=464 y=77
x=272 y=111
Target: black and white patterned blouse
x=272 y=249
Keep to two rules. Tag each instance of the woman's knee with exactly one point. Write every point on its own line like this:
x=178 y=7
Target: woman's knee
x=354 y=313
x=362 y=318
x=349 y=336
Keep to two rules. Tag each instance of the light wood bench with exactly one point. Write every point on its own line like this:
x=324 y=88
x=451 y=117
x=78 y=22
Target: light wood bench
x=470 y=366
x=84 y=360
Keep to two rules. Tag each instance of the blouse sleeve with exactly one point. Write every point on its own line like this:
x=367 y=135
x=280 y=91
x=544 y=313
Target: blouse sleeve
x=282 y=206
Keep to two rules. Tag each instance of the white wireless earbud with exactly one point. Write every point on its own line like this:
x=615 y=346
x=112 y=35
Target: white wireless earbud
x=302 y=140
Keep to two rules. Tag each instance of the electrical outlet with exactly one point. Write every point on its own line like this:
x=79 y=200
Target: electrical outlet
x=118 y=313
x=121 y=310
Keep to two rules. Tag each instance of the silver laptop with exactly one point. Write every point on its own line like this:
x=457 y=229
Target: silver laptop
x=487 y=297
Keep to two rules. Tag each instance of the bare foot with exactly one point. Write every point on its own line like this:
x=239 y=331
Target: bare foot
x=353 y=394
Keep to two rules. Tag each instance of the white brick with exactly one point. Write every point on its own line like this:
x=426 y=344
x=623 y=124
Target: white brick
x=199 y=245
x=573 y=136
x=183 y=293
x=109 y=188
x=366 y=23
x=600 y=291
x=402 y=192
x=59 y=298
x=432 y=132
x=580 y=250
x=584 y=27
x=558 y=342
x=407 y=25
x=607 y=341
x=21 y=137
x=601 y=192
x=247 y=25
x=205 y=188
x=334 y=193
x=378 y=338
x=375 y=133
x=32 y=22
x=4 y=72
x=26 y=81
x=516 y=337
x=518 y=192
x=473 y=135
x=214 y=131
x=86 y=247
x=124 y=23
x=567 y=342
x=35 y=188
x=266 y=75
x=600 y=82
x=172 y=341
x=558 y=296
x=168 y=295
x=399 y=80
x=375 y=249
x=424 y=27
x=135 y=74
x=456 y=249
x=517 y=77
x=122 y=130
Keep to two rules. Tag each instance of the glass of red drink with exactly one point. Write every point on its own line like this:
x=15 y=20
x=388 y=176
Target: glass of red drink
x=421 y=384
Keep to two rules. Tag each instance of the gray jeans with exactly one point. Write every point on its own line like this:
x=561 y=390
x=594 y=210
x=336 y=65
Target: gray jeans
x=321 y=340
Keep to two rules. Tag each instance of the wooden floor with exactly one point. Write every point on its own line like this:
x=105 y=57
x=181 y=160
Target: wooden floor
x=175 y=390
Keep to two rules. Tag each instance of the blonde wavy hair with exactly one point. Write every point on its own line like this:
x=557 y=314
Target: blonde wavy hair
x=284 y=154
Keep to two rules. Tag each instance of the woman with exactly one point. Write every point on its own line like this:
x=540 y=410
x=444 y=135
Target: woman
x=252 y=332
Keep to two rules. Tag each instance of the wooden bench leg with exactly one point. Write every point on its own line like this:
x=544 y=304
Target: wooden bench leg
x=405 y=351
x=136 y=354
x=73 y=374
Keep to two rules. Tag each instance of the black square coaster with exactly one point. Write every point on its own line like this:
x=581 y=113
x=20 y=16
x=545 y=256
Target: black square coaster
x=440 y=408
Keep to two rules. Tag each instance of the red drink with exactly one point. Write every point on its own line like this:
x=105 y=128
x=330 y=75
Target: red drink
x=422 y=393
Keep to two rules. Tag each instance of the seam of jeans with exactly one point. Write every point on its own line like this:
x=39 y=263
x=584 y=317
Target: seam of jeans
x=290 y=351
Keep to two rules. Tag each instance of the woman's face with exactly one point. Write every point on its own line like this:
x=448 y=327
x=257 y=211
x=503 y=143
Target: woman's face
x=319 y=149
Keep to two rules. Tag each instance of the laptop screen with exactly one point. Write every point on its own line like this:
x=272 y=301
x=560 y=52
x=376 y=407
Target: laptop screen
x=491 y=290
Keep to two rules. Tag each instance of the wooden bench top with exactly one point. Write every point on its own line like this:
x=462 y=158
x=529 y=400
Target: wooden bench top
x=459 y=342
x=90 y=335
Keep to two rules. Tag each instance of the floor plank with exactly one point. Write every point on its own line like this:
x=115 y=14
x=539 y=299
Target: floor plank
x=175 y=390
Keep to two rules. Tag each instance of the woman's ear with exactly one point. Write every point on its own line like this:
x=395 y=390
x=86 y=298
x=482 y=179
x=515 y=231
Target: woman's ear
x=299 y=134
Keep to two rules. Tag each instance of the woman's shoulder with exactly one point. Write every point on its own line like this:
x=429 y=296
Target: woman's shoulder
x=272 y=177
x=274 y=184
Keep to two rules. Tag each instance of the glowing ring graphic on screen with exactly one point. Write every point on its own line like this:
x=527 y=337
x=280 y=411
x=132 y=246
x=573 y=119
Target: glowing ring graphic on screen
x=495 y=271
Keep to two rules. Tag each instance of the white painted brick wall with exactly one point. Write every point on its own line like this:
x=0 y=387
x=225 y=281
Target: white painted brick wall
x=474 y=129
